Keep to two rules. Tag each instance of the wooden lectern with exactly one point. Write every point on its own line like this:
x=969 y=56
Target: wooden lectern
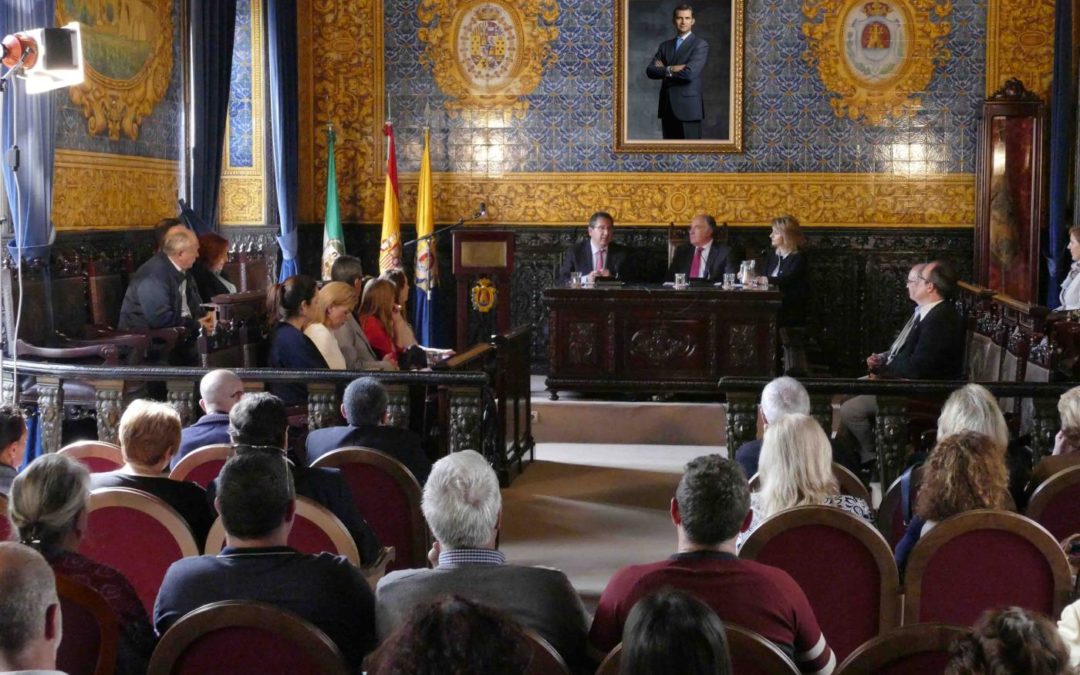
x=483 y=262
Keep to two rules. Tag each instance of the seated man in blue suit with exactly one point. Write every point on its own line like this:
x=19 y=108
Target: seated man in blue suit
x=364 y=408
x=258 y=423
x=599 y=256
x=219 y=391
x=702 y=258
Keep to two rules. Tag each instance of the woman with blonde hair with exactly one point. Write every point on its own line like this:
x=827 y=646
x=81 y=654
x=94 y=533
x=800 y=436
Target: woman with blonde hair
x=376 y=316
x=333 y=303
x=786 y=267
x=1066 y=443
x=795 y=469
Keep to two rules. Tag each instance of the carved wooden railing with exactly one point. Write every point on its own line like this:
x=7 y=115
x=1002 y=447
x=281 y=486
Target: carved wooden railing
x=896 y=400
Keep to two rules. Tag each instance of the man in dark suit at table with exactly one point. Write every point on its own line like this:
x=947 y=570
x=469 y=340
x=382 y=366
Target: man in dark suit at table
x=680 y=63
x=599 y=256
x=702 y=258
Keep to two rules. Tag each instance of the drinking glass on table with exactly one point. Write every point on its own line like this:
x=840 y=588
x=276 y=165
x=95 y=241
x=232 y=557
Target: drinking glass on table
x=680 y=281
x=575 y=280
x=729 y=281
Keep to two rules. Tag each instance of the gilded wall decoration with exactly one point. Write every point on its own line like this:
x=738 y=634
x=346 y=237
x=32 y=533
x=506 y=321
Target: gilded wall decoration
x=876 y=56
x=1020 y=44
x=93 y=190
x=488 y=54
x=243 y=188
x=128 y=49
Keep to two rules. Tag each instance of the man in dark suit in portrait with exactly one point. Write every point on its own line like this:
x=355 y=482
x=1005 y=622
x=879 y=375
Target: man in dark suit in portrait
x=680 y=63
x=702 y=258
x=599 y=256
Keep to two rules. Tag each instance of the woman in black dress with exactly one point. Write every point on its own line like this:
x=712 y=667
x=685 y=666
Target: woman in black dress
x=786 y=267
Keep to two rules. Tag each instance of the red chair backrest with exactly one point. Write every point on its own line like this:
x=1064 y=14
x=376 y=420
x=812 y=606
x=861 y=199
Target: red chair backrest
x=922 y=648
x=97 y=456
x=981 y=559
x=6 y=531
x=545 y=660
x=202 y=465
x=751 y=654
x=315 y=530
x=1056 y=503
x=387 y=495
x=91 y=630
x=844 y=566
x=244 y=637
x=137 y=534
x=890 y=516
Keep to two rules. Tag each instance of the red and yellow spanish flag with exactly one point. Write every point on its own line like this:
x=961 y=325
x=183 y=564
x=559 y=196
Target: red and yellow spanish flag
x=390 y=244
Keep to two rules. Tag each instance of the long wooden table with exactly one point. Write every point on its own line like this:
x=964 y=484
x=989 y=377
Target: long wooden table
x=651 y=338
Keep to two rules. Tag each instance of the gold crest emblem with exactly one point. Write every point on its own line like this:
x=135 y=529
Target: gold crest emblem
x=484 y=295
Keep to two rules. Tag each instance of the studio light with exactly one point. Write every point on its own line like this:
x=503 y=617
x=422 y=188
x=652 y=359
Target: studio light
x=45 y=58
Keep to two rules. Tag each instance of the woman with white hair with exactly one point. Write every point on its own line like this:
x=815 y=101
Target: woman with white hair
x=796 y=470
x=1066 y=443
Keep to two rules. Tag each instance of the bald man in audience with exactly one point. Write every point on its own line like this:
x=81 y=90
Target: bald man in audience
x=30 y=622
x=711 y=506
x=463 y=507
x=219 y=390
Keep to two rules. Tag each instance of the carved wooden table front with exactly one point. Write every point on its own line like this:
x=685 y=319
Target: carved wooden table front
x=648 y=339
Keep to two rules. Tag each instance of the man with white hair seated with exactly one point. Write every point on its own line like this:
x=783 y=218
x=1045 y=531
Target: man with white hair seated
x=30 y=626
x=781 y=397
x=219 y=391
x=463 y=508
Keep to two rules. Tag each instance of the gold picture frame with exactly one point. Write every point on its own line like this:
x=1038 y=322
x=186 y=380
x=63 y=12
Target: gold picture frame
x=640 y=27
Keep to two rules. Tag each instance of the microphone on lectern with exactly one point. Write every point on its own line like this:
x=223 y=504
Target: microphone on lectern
x=482 y=211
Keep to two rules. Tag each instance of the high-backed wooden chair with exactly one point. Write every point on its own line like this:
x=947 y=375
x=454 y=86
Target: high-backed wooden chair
x=1056 y=503
x=202 y=465
x=139 y=535
x=844 y=566
x=848 y=481
x=610 y=664
x=235 y=636
x=388 y=497
x=751 y=654
x=545 y=660
x=97 y=456
x=1050 y=465
x=980 y=559
x=922 y=648
x=91 y=630
x=315 y=530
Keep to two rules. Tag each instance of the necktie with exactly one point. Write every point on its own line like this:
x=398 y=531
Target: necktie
x=695 y=267
x=898 y=343
x=600 y=259
x=678 y=43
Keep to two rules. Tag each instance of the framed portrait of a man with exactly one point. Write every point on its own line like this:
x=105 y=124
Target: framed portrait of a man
x=678 y=76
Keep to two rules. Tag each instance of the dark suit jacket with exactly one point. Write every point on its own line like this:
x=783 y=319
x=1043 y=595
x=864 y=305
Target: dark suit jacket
x=153 y=300
x=681 y=91
x=720 y=260
x=934 y=349
x=618 y=259
x=401 y=444
x=208 y=283
x=793 y=280
x=188 y=499
x=211 y=429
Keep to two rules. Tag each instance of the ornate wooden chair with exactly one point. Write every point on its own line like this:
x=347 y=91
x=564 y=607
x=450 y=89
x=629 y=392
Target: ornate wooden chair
x=922 y=648
x=1056 y=503
x=545 y=660
x=91 y=630
x=849 y=483
x=98 y=456
x=202 y=465
x=751 y=654
x=891 y=519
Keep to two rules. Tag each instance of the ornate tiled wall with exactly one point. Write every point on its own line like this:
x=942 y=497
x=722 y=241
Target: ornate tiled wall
x=243 y=180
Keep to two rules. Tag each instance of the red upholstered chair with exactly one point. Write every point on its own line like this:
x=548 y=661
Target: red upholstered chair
x=844 y=566
x=751 y=654
x=91 y=630
x=1056 y=503
x=235 y=636
x=315 y=530
x=139 y=535
x=922 y=648
x=981 y=559
x=97 y=456
x=545 y=660
x=5 y=524
x=388 y=497
x=610 y=664
x=849 y=483
x=202 y=465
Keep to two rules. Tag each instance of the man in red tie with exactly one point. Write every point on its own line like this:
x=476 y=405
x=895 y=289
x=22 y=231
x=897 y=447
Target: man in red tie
x=702 y=258
x=599 y=256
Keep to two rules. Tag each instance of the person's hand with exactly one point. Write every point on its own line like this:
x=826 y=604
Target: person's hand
x=874 y=361
x=433 y=554
x=209 y=322
x=677 y=68
x=603 y=273
x=657 y=63
x=1074 y=558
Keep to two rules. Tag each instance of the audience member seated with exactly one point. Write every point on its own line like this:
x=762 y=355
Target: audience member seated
x=404 y=336
x=703 y=257
x=293 y=306
x=12 y=445
x=1069 y=627
x=786 y=267
x=351 y=339
x=257 y=504
x=30 y=627
x=258 y=424
x=376 y=317
x=49 y=507
x=463 y=508
x=672 y=632
x=453 y=635
x=364 y=407
x=599 y=256
x=219 y=391
x=1010 y=641
x=208 y=269
x=334 y=303
x=783 y=396
x=1070 y=287
x=149 y=436
x=710 y=507
x=965 y=471
x=796 y=470
x=1066 y=442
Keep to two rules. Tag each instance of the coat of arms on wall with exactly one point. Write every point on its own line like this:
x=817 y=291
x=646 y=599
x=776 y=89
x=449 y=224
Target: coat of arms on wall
x=488 y=54
x=128 y=48
x=876 y=56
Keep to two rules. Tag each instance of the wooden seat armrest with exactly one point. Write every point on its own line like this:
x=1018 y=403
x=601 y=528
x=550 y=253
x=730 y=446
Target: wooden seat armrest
x=102 y=337
x=108 y=353
x=377 y=569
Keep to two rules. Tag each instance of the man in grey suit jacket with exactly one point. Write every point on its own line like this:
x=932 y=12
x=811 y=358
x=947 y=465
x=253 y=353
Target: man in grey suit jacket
x=680 y=63
x=350 y=337
x=463 y=508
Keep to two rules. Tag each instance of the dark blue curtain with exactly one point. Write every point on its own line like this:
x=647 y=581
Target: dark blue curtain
x=1062 y=125
x=28 y=122
x=213 y=24
x=284 y=116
